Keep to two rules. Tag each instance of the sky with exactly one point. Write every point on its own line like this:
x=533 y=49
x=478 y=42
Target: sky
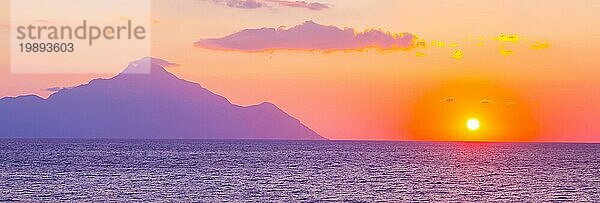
x=543 y=87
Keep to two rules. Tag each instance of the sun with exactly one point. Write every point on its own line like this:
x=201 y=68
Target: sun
x=473 y=124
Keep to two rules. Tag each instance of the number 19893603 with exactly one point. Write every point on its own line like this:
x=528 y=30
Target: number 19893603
x=46 y=47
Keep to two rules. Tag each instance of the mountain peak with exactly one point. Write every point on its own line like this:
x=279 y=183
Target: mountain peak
x=148 y=65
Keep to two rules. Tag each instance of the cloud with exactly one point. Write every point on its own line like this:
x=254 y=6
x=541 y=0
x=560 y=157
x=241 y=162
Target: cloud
x=301 y=4
x=243 y=4
x=147 y=64
x=153 y=20
x=156 y=61
x=540 y=45
x=457 y=54
x=505 y=52
x=488 y=101
x=56 y=89
x=449 y=99
x=309 y=36
x=254 y=4
x=508 y=38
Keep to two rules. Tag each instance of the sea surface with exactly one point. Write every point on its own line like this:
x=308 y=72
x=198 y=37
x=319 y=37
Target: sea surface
x=295 y=171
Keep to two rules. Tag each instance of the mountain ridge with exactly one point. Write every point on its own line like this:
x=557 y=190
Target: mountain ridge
x=145 y=101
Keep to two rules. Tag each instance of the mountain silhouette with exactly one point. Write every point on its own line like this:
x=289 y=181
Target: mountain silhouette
x=144 y=102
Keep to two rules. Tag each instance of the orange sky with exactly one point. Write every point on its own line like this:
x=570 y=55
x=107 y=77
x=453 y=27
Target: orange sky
x=549 y=94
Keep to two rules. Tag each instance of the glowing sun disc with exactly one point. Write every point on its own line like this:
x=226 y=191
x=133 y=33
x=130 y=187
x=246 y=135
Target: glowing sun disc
x=473 y=124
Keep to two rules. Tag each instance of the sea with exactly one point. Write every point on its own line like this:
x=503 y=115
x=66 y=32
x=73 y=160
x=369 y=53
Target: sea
x=101 y=170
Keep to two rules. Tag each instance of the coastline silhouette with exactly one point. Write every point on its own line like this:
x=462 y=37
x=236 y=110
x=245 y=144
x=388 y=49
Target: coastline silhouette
x=144 y=102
